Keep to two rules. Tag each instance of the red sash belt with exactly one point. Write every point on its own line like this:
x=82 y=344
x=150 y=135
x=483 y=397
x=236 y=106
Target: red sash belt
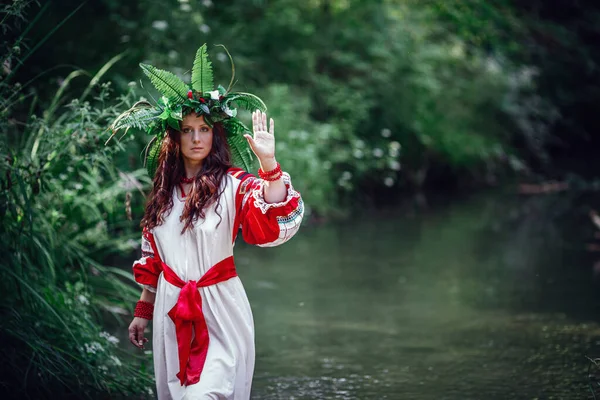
x=187 y=312
x=187 y=316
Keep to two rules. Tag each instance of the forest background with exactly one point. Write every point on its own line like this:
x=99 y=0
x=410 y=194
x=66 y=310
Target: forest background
x=375 y=102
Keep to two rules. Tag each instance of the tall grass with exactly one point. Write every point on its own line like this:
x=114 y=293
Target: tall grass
x=62 y=211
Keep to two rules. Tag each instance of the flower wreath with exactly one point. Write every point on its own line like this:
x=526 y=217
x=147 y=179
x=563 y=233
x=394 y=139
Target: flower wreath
x=179 y=99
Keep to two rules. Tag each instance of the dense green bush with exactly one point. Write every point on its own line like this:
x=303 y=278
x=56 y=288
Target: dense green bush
x=62 y=207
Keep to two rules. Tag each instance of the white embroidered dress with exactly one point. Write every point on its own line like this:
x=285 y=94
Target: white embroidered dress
x=229 y=366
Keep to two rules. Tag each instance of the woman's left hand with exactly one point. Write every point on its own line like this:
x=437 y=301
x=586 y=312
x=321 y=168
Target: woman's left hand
x=263 y=142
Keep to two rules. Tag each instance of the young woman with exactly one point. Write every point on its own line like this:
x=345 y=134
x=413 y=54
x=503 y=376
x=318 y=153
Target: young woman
x=203 y=332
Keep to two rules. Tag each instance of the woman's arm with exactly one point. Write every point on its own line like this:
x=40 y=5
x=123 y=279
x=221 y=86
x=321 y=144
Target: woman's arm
x=263 y=145
x=148 y=296
x=138 y=325
x=274 y=191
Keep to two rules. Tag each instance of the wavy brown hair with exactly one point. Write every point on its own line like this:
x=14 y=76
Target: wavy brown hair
x=205 y=188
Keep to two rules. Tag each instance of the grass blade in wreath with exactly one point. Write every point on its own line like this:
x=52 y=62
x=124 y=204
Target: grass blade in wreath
x=202 y=73
x=232 y=68
x=167 y=83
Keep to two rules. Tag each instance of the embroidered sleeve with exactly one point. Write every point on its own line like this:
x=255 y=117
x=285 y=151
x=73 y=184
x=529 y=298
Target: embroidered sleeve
x=147 y=269
x=267 y=224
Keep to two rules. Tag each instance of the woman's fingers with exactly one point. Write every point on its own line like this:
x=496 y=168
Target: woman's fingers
x=259 y=123
x=136 y=335
x=140 y=337
x=133 y=335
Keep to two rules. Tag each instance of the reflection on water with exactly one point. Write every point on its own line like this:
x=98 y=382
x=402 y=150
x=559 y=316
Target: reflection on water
x=487 y=298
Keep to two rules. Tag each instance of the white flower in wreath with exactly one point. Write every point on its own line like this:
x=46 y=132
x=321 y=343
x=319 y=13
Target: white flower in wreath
x=214 y=95
x=228 y=111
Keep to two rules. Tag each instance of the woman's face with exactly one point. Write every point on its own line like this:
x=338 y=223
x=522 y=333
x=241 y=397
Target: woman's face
x=196 y=138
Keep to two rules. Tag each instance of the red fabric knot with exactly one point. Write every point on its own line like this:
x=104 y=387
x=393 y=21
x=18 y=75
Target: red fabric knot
x=188 y=317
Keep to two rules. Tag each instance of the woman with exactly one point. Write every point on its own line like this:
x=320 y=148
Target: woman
x=203 y=333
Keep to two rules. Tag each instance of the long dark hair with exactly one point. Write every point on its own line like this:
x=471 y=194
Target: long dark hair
x=205 y=188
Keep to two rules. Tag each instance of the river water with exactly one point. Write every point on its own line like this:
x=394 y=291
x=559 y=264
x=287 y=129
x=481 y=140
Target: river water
x=485 y=297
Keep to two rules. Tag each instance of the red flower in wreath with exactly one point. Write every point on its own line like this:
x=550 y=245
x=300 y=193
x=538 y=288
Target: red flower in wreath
x=190 y=94
x=202 y=100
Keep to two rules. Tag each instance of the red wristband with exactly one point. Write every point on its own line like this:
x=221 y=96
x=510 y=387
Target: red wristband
x=143 y=309
x=272 y=175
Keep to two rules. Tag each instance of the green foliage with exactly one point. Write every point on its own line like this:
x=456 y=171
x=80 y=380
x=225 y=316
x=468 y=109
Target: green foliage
x=139 y=116
x=167 y=83
x=241 y=154
x=248 y=101
x=152 y=156
x=202 y=74
x=61 y=214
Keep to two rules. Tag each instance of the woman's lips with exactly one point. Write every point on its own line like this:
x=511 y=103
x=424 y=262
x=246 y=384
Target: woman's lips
x=197 y=148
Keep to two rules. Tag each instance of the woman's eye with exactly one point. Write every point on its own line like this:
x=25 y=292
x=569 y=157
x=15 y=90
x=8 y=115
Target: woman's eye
x=205 y=129
x=186 y=130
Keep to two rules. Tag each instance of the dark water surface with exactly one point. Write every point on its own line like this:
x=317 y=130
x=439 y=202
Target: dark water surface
x=490 y=297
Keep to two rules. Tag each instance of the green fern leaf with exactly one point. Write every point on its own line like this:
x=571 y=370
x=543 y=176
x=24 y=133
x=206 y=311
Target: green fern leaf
x=139 y=116
x=241 y=154
x=152 y=156
x=247 y=100
x=167 y=83
x=202 y=73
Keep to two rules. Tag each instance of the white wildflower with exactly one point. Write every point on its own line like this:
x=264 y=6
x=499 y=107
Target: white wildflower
x=377 y=152
x=132 y=84
x=93 y=347
x=204 y=28
x=394 y=145
x=359 y=144
x=207 y=3
x=110 y=338
x=160 y=25
x=346 y=175
x=185 y=7
x=385 y=132
x=228 y=111
x=214 y=95
x=149 y=391
x=326 y=164
x=173 y=54
x=83 y=300
x=389 y=182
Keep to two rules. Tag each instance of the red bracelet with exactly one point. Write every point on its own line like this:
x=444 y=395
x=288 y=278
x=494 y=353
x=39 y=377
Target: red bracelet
x=272 y=175
x=144 y=309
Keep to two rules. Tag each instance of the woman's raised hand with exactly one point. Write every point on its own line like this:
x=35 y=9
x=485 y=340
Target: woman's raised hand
x=263 y=142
